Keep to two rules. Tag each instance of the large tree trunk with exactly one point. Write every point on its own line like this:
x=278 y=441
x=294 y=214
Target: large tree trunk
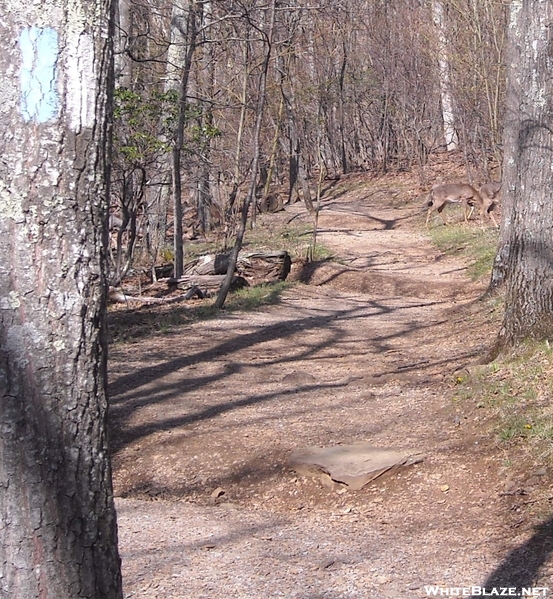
x=58 y=537
x=524 y=262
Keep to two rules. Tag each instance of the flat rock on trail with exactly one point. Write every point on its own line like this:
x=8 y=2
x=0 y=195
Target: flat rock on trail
x=205 y=416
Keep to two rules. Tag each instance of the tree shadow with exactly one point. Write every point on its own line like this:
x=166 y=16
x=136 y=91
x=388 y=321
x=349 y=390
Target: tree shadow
x=142 y=321
x=520 y=568
x=148 y=385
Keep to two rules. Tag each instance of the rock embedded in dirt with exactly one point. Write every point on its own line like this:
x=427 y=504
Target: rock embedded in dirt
x=299 y=378
x=218 y=492
x=352 y=465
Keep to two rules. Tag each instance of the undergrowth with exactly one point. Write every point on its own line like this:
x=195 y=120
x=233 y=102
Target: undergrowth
x=295 y=238
x=516 y=391
x=272 y=233
x=475 y=244
x=246 y=299
x=125 y=324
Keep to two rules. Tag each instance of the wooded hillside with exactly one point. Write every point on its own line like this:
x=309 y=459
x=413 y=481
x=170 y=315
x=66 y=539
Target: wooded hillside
x=332 y=87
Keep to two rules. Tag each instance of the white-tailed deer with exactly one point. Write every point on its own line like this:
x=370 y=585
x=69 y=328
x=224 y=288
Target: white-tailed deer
x=454 y=193
x=490 y=192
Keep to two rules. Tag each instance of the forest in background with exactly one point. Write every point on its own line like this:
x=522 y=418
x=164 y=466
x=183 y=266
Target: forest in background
x=224 y=107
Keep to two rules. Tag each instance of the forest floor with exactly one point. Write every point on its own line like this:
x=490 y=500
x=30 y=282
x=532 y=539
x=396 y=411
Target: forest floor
x=205 y=415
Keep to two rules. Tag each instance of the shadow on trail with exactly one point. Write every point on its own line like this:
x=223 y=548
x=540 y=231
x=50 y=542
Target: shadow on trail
x=233 y=346
x=137 y=432
x=149 y=385
x=520 y=568
x=142 y=321
x=280 y=330
x=385 y=224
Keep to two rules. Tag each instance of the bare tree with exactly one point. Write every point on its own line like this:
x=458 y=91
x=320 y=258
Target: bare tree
x=450 y=133
x=58 y=529
x=193 y=12
x=266 y=32
x=477 y=60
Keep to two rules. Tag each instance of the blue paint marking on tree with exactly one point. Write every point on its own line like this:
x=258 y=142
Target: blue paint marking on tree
x=39 y=53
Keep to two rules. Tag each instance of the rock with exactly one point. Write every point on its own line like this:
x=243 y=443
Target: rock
x=326 y=563
x=299 y=378
x=510 y=487
x=217 y=493
x=353 y=465
x=532 y=482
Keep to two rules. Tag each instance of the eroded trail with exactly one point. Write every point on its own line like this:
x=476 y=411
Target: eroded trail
x=205 y=418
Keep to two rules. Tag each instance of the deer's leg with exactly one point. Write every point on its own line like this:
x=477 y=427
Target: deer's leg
x=440 y=212
x=431 y=205
x=489 y=212
x=469 y=210
x=430 y=210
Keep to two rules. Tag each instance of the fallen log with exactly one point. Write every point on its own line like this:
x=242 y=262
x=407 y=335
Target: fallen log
x=255 y=267
x=204 y=276
x=207 y=284
x=118 y=297
x=211 y=264
x=264 y=267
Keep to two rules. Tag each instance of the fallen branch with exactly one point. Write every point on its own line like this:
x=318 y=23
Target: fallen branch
x=122 y=298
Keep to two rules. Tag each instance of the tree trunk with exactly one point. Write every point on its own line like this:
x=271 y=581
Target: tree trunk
x=274 y=148
x=298 y=172
x=191 y=33
x=524 y=262
x=341 y=111
x=225 y=288
x=58 y=537
x=229 y=208
x=205 y=207
x=123 y=33
x=450 y=134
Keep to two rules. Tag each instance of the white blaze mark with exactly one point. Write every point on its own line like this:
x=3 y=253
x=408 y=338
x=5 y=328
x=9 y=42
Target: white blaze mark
x=39 y=57
x=81 y=82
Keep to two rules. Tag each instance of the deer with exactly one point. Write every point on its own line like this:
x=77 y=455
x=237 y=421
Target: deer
x=489 y=193
x=453 y=193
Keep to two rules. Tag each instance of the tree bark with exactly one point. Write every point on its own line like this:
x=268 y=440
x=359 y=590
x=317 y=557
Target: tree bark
x=123 y=33
x=524 y=262
x=58 y=537
x=191 y=34
x=297 y=171
x=450 y=133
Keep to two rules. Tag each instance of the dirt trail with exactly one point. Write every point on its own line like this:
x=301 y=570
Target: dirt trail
x=205 y=417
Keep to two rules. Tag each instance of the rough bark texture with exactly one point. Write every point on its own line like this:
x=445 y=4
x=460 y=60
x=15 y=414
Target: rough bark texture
x=524 y=262
x=58 y=535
